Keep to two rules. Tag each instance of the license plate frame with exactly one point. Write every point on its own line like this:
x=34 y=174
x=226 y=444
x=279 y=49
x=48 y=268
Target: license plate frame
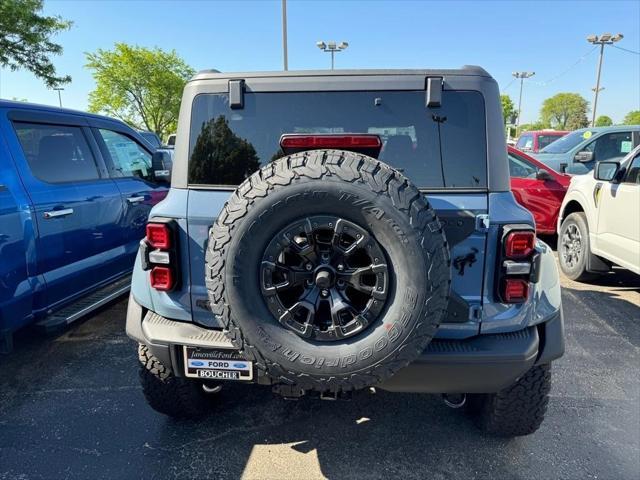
x=216 y=364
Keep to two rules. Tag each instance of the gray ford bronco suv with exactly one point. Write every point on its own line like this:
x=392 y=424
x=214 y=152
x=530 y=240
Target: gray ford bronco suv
x=329 y=231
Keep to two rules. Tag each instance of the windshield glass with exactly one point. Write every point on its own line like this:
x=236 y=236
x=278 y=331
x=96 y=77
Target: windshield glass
x=546 y=139
x=566 y=143
x=151 y=137
x=227 y=145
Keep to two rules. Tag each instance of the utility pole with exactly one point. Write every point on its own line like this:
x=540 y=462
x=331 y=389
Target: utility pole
x=284 y=35
x=521 y=76
x=602 y=40
x=332 y=48
x=59 y=89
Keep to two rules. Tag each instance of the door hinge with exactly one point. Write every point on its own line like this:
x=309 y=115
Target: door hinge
x=475 y=313
x=482 y=222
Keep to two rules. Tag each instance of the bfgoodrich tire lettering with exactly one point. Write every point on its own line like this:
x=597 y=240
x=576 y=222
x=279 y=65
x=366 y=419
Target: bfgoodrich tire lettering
x=357 y=189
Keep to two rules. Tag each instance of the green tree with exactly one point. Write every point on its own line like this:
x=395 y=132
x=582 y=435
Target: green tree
x=140 y=86
x=508 y=109
x=565 y=111
x=220 y=156
x=25 y=39
x=632 y=118
x=604 y=121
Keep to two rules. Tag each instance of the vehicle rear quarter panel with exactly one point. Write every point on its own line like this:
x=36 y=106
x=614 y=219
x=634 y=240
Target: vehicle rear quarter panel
x=177 y=303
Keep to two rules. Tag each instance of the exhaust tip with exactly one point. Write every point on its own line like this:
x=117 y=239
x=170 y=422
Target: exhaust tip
x=214 y=389
x=456 y=400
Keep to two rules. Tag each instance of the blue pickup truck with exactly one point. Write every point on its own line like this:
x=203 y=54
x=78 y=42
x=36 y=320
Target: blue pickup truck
x=75 y=193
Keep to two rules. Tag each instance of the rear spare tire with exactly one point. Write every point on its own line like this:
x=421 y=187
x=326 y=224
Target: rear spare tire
x=329 y=270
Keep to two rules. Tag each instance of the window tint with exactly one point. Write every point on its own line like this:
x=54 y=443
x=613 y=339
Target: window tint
x=56 y=153
x=128 y=157
x=228 y=145
x=520 y=168
x=633 y=174
x=611 y=145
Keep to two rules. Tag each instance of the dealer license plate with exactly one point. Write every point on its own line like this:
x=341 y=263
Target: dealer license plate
x=212 y=364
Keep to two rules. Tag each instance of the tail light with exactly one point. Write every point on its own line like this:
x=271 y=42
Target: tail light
x=366 y=143
x=159 y=254
x=516 y=263
x=159 y=235
x=161 y=278
x=519 y=244
x=515 y=290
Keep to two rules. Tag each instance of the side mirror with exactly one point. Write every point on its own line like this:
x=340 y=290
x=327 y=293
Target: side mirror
x=544 y=175
x=161 y=164
x=584 y=156
x=606 y=171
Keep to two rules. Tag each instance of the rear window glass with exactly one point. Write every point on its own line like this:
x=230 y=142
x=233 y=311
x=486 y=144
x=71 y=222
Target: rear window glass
x=435 y=148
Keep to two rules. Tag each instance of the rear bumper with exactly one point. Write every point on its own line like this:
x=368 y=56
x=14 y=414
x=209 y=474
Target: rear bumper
x=482 y=364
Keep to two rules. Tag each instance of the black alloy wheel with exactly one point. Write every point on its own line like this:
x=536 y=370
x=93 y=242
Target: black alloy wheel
x=324 y=277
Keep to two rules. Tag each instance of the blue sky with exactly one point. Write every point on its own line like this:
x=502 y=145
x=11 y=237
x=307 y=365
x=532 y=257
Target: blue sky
x=503 y=36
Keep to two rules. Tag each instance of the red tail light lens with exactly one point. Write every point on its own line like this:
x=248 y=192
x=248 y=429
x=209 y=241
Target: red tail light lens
x=519 y=244
x=162 y=278
x=159 y=235
x=330 y=141
x=515 y=290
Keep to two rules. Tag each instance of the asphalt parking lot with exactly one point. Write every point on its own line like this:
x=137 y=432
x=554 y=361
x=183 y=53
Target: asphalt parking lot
x=71 y=407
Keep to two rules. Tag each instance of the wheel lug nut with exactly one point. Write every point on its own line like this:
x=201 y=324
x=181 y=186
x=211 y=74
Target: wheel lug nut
x=340 y=267
x=308 y=266
x=324 y=293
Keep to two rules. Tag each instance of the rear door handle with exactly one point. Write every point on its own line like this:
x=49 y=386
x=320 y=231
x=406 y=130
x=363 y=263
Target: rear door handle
x=135 y=199
x=58 y=213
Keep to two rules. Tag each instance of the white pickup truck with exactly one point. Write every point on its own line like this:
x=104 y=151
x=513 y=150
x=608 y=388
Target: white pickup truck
x=599 y=221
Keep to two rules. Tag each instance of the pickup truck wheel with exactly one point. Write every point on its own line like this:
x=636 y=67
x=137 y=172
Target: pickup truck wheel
x=173 y=396
x=573 y=247
x=516 y=410
x=329 y=270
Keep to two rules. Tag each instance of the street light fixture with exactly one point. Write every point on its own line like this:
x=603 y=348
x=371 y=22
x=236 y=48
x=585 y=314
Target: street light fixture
x=332 y=48
x=59 y=89
x=602 y=40
x=521 y=76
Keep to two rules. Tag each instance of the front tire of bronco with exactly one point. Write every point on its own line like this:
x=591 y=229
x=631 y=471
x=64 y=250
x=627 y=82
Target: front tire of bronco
x=170 y=395
x=516 y=410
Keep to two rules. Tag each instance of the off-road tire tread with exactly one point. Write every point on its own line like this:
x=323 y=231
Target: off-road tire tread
x=348 y=167
x=518 y=409
x=176 y=397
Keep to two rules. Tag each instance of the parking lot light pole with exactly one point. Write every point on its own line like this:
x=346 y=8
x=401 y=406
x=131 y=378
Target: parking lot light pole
x=521 y=76
x=285 y=53
x=59 y=89
x=602 y=40
x=332 y=47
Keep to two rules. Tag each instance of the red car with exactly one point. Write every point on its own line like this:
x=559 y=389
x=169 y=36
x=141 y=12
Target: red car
x=535 y=140
x=538 y=188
